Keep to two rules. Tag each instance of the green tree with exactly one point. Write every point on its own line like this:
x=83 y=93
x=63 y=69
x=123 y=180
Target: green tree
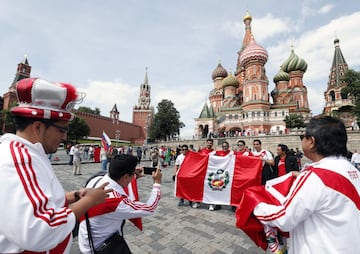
x=294 y=121
x=78 y=129
x=95 y=111
x=6 y=122
x=166 y=123
x=352 y=78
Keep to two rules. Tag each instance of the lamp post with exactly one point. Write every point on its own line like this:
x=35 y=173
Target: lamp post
x=117 y=136
x=147 y=128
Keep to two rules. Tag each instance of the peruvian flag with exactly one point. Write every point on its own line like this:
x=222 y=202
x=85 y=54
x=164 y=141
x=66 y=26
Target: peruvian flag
x=274 y=192
x=216 y=179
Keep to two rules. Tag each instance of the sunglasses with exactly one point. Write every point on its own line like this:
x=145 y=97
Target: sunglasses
x=62 y=129
x=184 y=149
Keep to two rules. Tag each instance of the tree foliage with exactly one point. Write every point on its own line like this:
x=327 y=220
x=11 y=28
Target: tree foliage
x=166 y=123
x=352 y=78
x=294 y=121
x=78 y=129
x=95 y=111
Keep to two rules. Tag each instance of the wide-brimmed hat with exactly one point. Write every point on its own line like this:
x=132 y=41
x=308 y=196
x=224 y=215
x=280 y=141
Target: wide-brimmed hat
x=39 y=98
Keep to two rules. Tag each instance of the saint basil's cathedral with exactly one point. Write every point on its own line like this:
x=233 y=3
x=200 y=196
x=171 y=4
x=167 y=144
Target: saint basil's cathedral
x=239 y=102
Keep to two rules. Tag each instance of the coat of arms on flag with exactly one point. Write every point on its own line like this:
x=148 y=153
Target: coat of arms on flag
x=216 y=179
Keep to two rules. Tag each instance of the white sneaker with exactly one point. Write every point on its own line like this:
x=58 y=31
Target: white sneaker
x=195 y=205
x=211 y=208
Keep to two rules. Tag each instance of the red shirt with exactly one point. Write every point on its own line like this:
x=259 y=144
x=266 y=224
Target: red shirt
x=281 y=167
x=244 y=153
x=206 y=150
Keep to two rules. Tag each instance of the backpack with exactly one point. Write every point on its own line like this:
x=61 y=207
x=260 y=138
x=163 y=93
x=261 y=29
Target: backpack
x=75 y=231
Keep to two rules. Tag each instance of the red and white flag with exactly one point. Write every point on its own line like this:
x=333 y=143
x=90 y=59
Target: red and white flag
x=216 y=179
x=132 y=191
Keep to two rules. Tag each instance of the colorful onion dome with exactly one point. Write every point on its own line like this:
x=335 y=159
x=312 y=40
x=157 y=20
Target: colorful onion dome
x=247 y=16
x=294 y=63
x=230 y=80
x=219 y=72
x=253 y=52
x=281 y=76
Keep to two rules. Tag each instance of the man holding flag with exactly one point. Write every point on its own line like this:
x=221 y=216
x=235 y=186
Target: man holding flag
x=110 y=217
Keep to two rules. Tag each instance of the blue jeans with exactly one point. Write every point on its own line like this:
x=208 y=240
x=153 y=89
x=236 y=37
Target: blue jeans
x=104 y=165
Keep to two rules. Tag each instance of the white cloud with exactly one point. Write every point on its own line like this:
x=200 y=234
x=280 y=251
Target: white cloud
x=262 y=27
x=326 y=9
x=104 y=94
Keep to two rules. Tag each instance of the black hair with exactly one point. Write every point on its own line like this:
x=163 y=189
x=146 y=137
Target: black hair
x=210 y=139
x=184 y=145
x=241 y=141
x=284 y=148
x=20 y=123
x=330 y=135
x=122 y=164
x=257 y=140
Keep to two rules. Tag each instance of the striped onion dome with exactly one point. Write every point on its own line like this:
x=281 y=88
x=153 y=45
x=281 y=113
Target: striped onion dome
x=294 y=63
x=230 y=80
x=253 y=52
x=281 y=76
x=219 y=72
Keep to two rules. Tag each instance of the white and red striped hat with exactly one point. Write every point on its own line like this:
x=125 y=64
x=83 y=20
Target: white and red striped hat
x=39 y=98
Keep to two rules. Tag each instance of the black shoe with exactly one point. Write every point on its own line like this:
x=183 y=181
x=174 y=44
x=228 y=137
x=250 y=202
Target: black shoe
x=181 y=203
x=190 y=203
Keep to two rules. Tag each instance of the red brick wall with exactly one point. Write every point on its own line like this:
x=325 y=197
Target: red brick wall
x=98 y=124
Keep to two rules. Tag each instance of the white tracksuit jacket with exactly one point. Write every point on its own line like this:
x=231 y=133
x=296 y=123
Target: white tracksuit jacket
x=34 y=215
x=321 y=211
x=110 y=215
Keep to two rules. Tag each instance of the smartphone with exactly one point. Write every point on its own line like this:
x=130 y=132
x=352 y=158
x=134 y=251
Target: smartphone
x=148 y=170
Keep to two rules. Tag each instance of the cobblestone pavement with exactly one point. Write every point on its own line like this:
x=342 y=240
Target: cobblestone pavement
x=171 y=229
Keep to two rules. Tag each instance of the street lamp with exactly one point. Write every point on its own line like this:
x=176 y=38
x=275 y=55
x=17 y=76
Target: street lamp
x=117 y=135
x=148 y=118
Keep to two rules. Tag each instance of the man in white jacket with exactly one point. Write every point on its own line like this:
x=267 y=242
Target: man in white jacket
x=109 y=217
x=322 y=209
x=37 y=215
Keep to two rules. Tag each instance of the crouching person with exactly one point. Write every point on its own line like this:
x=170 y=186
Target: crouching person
x=105 y=222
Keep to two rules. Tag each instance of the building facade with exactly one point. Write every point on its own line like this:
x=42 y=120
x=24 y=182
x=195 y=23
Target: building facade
x=240 y=103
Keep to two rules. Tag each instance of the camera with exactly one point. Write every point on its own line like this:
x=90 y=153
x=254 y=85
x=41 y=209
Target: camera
x=148 y=170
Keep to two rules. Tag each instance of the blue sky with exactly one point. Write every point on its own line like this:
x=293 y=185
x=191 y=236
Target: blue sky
x=103 y=47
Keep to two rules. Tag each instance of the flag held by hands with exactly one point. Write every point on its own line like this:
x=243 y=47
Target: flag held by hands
x=216 y=179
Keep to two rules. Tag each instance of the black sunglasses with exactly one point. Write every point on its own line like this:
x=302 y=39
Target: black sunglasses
x=62 y=129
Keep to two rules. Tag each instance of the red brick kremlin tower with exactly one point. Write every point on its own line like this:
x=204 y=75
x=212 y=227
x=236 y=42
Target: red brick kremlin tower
x=239 y=103
x=336 y=104
x=23 y=71
x=143 y=112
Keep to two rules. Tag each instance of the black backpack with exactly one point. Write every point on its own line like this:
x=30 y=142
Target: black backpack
x=75 y=231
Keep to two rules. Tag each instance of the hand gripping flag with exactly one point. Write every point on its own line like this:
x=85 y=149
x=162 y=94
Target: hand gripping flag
x=274 y=192
x=105 y=141
x=216 y=179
